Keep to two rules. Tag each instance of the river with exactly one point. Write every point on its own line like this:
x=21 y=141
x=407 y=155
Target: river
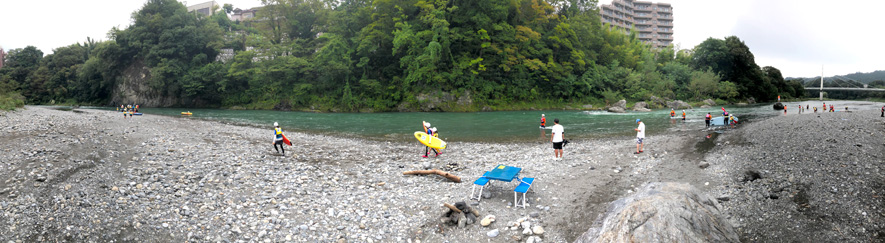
x=490 y=126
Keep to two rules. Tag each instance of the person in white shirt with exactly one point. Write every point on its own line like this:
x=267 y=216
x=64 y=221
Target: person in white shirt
x=640 y=135
x=556 y=137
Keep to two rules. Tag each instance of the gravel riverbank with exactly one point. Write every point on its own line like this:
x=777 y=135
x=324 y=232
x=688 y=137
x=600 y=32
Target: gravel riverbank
x=89 y=175
x=811 y=177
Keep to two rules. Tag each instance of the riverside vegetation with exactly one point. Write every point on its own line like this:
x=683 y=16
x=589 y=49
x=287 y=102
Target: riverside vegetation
x=385 y=55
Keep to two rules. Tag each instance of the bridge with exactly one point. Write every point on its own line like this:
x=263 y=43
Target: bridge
x=851 y=86
x=847 y=89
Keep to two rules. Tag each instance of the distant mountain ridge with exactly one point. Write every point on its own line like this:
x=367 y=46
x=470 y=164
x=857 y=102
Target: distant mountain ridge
x=864 y=78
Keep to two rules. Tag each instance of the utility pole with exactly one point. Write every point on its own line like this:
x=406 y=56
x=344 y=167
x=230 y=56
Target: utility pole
x=821 y=82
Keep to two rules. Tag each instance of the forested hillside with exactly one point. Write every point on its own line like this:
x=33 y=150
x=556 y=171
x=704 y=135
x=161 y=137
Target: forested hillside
x=385 y=55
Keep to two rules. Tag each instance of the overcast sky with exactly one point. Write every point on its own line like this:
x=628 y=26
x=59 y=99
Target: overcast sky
x=795 y=36
x=49 y=24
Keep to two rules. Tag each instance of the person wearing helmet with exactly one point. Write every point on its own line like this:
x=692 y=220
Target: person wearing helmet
x=672 y=113
x=432 y=132
x=640 y=135
x=683 y=115
x=543 y=126
x=278 y=138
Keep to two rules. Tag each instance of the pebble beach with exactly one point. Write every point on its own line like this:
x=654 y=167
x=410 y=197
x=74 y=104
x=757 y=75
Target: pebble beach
x=90 y=175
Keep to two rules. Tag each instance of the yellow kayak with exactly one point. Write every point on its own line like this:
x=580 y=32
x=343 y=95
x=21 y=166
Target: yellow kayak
x=186 y=113
x=430 y=141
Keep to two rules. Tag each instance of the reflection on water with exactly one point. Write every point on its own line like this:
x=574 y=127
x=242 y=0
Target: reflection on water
x=490 y=126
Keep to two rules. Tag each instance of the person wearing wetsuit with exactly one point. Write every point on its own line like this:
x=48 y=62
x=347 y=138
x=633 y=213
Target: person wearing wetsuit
x=278 y=138
x=430 y=132
x=543 y=126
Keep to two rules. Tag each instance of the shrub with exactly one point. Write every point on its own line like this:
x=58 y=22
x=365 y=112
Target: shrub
x=10 y=101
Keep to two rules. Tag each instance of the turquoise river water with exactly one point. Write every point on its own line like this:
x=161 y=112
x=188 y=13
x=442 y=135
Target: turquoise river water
x=496 y=126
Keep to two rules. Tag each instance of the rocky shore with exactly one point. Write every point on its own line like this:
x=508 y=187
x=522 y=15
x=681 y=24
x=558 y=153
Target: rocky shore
x=811 y=177
x=89 y=175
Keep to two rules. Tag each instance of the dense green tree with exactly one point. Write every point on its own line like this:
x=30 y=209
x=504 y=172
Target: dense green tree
x=22 y=75
x=703 y=84
x=381 y=55
x=727 y=90
x=713 y=54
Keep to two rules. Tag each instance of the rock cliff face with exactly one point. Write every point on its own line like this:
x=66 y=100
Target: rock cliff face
x=438 y=101
x=133 y=88
x=662 y=212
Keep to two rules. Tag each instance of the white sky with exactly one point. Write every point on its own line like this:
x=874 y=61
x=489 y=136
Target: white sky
x=50 y=24
x=795 y=36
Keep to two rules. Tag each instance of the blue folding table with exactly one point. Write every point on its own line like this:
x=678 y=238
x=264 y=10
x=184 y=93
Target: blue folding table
x=504 y=173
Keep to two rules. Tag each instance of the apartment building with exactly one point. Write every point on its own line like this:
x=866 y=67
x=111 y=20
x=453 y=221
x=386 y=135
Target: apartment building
x=653 y=21
x=203 y=8
x=241 y=15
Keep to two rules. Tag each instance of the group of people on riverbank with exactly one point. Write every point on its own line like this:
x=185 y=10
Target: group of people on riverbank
x=557 y=136
x=128 y=110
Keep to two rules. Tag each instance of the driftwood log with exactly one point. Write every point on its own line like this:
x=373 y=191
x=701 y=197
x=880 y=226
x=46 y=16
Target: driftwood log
x=453 y=208
x=451 y=177
x=460 y=214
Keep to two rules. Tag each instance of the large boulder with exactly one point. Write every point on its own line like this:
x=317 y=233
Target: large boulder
x=619 y=107
x=778 y=106
x=657 y=102
x=751 y=100
x=709 y=102
x=678 y=104
x=641 y=106
x=616 y=109
x=662 y=212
